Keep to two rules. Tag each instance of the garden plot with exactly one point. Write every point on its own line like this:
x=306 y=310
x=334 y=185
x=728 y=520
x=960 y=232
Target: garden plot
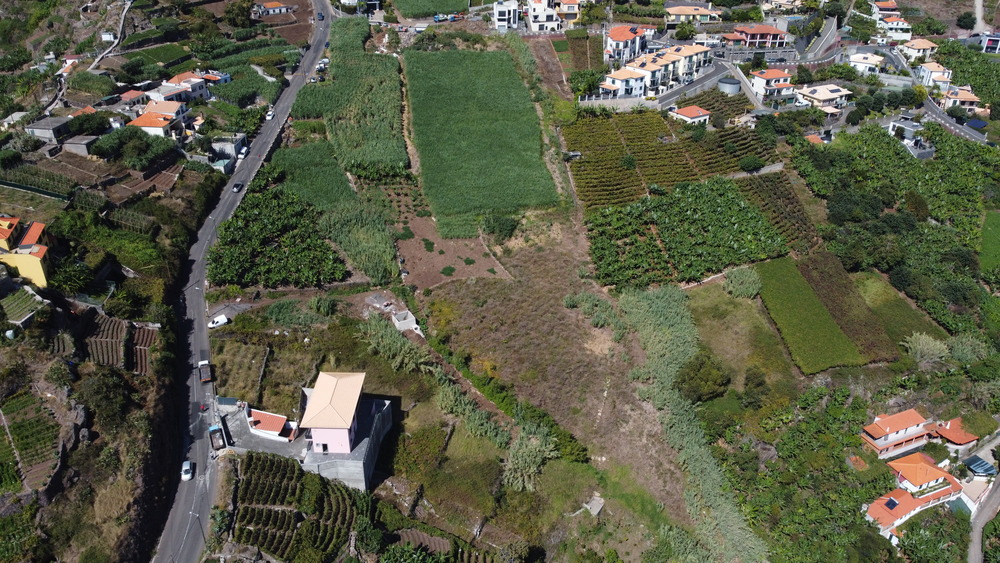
x=480 y=152
x=36 y=433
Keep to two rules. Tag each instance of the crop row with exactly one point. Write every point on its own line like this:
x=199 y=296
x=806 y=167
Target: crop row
x=10 y=477
x=274 y=542
x=718 y=103
x=838 y=293
x=691 y=231
x=265 y=518
x=33 y=428
x=774 y=195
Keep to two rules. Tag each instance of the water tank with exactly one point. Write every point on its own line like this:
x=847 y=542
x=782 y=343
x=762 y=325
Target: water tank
x=729 y=86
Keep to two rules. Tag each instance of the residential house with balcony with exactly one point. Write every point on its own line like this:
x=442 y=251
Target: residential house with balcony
x=891 y=435
x=506 y=15
x=569 y=11
x=772 y=85
x=823 y=96
x=24 y=247
x=895 y=28
x=693 y=58
x=542 y=16
x=921 y=486
x=990 y=42
x=658 y=69
x=691 y=14
x=757 y=36
x=934 y=75
x=624 y=83
x=954 y=435
x=624 y=42
x=885 y=9
x=866 y=63
x=960 y=96
x=917 y=48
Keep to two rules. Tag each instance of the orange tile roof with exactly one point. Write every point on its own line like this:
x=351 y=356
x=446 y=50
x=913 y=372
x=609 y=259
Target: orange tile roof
x=179 y=78
x=692 y=112
x=885 y=424
x=131 y=95
x=954 y=433
x=82 y=111
x=759 y=29
x=732 y=36
x=39 y=250
x=267 y=422
x=33 y=233
x=625 y=74
x=624 y=33
x=889 y=4
x=920 y=44
x=918 y=469
x=151 y=120
x=771 y=73
x=894 y=20
x=692 y=11
x=814 y=139
x=906 y=503
x=962 y=94
x=273 y=5
x=7 y=226
x=166 y=108
x=783 y=85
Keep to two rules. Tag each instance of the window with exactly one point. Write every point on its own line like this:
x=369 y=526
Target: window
x=325 y=447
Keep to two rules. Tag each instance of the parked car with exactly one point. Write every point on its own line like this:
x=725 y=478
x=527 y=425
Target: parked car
x=237 y=187
x=218 y=321
x=320 y=16
x=314 y=79
x=270 y=115
x=187 y=471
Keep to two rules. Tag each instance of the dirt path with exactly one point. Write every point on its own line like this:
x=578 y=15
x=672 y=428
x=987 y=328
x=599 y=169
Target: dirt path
x=549 y=67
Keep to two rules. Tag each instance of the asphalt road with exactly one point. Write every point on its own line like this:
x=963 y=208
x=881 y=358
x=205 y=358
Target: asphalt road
x=716 y=71
x=183 y=538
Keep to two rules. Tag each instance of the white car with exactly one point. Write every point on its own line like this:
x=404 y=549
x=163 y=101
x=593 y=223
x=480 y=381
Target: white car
x=218 y=321
x=187 y=471
x=270 y=115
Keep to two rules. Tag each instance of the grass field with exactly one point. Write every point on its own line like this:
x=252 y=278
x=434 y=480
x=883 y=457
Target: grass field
x=480 y=152
x=165 y=54
x=898 y=317
x=289 y=368
x=237 y=368
x=29 y=206
x=738 y=333
x=466 y=478
x=989 y=258
x=313 y=174
x=813 y=338
x=425 y=8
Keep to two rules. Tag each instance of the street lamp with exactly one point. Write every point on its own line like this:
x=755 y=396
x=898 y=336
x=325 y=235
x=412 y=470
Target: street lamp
x=201 y=526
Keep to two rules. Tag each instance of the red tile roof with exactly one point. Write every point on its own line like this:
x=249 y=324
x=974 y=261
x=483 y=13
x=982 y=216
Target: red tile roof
x=83 y=111
x=918 y=469
x=771 y=73
x=954 y=433
x=267 y=422
x=33 y=233
x=905 y=503
x=885 y=424
x=692 y=112
x=733 y=36
x=177 y=79
x=151 y=120
x=814 y=139
x=7 y=226
x=894 y=20
x=131 y=95
x=624 y=33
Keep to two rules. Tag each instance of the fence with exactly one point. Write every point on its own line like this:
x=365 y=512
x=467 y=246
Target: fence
x=618 y=104
x=38 y=191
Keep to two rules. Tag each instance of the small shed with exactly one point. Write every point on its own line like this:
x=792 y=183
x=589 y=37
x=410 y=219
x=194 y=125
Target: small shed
x=80 y=144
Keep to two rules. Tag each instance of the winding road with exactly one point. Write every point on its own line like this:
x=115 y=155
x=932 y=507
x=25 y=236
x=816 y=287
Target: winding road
x=183 y=538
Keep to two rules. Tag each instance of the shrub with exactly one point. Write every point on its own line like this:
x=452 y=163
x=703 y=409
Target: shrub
x=925 y=350
x=92 y=83
x=751 y=163
x=533 y=447
x=742 y=282
x=499 y=227
x=967 y=348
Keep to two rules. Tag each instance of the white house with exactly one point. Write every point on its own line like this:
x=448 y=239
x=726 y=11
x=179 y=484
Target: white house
x=692 y=14
x=895 y=434
x=866 y=63
x=108 y=36
x=542 y=16
x=270 y=425
x=692 y=58
x=885 y=9
x=921 y=486
x=960 y=96
x=990 y=42
x=917 y=48
x=823 y=96
x=569 y=11
x=624 y=83
x=505 y=15
x=624 y=42
x=895 y=28
x=934 y=74
x=176 y=110
x=691 y=114
x=270 y=9
x=658 y=70
x=772 y=85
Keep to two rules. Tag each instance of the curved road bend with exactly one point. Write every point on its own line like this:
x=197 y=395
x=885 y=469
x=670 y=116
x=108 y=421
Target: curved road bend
x=183 y=538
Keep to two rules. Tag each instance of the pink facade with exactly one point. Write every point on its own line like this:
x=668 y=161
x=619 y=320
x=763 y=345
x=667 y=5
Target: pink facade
x=332 y=440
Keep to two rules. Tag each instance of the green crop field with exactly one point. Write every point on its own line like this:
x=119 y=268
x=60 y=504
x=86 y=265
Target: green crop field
x=480 y=152
x=427 y=8
x=19 y=305
x=165 y=54
x=899 y=318
x=813 y=338
x=990 y=257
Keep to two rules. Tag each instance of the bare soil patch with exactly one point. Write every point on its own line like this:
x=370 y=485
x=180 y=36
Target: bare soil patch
x=551 y=69
x=519 y=329
x=427 y=254
x=944 y=10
